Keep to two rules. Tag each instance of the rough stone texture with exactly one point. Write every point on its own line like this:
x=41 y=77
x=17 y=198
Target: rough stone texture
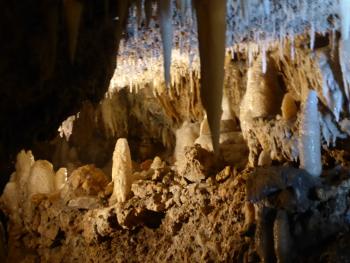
x=121 y=171
x=203 y=212
x=170 y=219
x=40 y=87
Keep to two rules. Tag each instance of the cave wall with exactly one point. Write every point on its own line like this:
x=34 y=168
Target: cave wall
x=40 y=83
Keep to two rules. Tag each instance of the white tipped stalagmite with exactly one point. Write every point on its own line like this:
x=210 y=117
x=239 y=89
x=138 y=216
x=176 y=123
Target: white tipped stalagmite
x=41 y=179
x=344 y=9
x=166 y=30
x=60 y=178
x=73 y=11
x=121 y=171
x=211 y=20
x=310 y=136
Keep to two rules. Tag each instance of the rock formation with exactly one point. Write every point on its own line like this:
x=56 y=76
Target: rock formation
x=221 y=136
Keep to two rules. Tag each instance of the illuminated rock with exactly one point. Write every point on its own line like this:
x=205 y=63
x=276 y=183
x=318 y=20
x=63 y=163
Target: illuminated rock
x=121 y=172
x=41 y=179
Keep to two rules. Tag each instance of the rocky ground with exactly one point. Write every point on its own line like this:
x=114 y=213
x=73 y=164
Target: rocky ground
x=222 y=215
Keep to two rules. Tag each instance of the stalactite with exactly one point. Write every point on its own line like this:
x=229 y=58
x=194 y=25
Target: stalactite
x=166 y=30
x=139 y=12
x=122 y=12
x=211 y=19
x=330 y=88
x=73 y=12
x=344 y=9
x=344 y=58
x=148 y=11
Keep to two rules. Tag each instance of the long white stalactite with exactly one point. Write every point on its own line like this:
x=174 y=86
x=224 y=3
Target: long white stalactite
x=166 y=30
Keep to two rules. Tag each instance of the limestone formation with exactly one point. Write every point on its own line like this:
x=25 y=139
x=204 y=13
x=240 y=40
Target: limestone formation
x=289 y=108
x=211 y=19
x=121 y=172
x=310 y=136
x=214 y=174
x=60 y=178
x=41 y=179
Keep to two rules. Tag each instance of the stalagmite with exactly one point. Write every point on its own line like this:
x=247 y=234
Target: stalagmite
x=41 y=179
x=73 y=12
x=121 y=172
x=166 y=30
x=24 y=163
x=211 y=19
x=204 y=136
x=10 y=198
x=263 y=96
x=310 y=136
x=185 y=136
x=289 y=108
x=60 y=178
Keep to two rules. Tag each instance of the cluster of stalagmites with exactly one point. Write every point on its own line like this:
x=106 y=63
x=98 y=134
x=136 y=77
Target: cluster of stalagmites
x=49 y=210
x=39 y=200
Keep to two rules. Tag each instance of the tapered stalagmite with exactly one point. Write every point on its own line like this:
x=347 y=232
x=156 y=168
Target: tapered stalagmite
x=310 y=136
x=211 y=19
x=121 y=171
x=73 y=11
x=166 y=30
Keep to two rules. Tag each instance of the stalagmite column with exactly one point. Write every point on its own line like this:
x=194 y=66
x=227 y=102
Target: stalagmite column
x=121 y=172
x=211 y=18
x=310 y=136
